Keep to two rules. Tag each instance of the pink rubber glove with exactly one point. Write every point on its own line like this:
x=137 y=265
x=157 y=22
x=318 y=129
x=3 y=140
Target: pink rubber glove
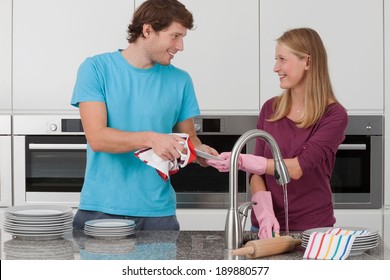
x=248 y=163
x=265 y=214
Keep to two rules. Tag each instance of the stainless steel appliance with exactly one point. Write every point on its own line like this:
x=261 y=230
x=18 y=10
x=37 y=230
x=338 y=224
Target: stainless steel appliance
x=49 y=162
x=50 y=156
x=5 y=161
x=358 y=177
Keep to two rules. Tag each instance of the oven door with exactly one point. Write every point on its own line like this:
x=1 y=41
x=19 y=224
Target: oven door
x=206 y=187
x=49 y=168
x=357 y=177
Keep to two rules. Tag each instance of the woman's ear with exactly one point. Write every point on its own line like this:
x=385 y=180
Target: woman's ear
x=307 y=62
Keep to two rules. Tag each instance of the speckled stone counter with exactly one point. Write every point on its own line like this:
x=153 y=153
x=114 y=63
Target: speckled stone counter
x=143 y=245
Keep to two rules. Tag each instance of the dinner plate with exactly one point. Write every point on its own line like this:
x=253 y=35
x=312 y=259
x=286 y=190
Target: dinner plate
x=38 y=222
x=35 y=229
x=109 y=228
x=324 y=229
x=361 y=243
x=109 y=223
x=39 y=236
x=206 y=155
x=38 y=210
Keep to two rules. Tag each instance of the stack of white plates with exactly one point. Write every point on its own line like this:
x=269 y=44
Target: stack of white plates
x=109 y=228
x=361 y=243
x=38 y=222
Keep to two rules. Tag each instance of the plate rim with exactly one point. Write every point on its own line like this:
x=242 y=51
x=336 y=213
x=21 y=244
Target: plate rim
x=13 y=210
x=124 y=222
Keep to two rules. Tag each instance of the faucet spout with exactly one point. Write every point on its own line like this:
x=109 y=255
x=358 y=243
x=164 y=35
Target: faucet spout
x=233 y=226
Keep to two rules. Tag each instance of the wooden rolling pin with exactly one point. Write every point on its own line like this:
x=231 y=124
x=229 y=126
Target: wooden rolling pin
x=267 y=247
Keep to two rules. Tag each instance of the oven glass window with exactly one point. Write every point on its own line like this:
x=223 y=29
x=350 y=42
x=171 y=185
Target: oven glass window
x=195 y=178
x=55 y=169
x=351 y=173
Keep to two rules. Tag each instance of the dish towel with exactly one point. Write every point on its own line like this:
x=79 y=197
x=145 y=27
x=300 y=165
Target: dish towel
x=166 y=168
x=334 y=244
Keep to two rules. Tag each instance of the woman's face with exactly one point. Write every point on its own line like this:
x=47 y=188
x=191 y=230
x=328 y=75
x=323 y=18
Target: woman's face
x=290 y=68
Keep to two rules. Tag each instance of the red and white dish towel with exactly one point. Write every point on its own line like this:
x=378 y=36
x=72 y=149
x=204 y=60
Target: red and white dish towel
x=334 y=244
x=166 y=168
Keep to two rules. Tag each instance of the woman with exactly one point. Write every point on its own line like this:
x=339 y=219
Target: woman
x=309 y=124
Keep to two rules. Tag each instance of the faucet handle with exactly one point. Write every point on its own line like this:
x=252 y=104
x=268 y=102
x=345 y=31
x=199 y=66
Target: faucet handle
x=243 y=211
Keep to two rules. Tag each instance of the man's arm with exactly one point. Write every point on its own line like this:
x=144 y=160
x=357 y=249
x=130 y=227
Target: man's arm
x=105 y=139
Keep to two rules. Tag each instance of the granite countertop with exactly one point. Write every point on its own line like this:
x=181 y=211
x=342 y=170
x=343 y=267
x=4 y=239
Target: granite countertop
x=143 y=245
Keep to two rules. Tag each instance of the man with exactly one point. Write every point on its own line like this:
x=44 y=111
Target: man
x=129 y=100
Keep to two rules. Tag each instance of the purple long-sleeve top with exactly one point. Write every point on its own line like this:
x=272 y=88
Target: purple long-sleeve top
x=310 y=197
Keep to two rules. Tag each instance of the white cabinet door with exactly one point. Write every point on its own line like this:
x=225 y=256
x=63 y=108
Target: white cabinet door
x=222 y=55
x=387 y=108
x=352 y=32
x=52 y=38
x=368 y=218
x=5 y=55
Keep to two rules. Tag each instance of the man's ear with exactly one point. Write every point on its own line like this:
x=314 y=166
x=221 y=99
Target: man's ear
x=147 y=29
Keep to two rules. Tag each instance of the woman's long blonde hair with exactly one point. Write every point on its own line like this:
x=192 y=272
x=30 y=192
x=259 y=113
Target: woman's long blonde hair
x=305 y=42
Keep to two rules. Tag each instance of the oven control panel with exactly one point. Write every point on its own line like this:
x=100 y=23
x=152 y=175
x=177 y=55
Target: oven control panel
x=209 y=125
x=47 y=125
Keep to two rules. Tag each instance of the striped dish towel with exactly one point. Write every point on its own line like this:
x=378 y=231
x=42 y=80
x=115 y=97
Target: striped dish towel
x=165 y=168
x=334 y=244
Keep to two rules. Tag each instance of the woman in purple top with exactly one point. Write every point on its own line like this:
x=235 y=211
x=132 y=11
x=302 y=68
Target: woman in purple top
x=309 y=124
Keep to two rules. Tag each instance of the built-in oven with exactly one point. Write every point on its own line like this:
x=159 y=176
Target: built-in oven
x=50 y=157
x=358 y=177
x=5 y=161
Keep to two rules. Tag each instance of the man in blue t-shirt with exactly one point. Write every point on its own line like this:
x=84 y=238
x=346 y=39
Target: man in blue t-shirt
x=129 y=100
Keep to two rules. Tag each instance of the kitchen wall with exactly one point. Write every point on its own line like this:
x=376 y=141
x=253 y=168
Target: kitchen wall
x=224 y=54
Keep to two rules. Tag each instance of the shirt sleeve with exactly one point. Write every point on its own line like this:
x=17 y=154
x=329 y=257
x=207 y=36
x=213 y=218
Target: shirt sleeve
x=325 y=139
x=88 y=85
x=190 y=107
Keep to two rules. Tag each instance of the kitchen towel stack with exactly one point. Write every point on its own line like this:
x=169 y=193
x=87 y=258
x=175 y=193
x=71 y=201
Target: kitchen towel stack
x=334 y=244
x=166 y=168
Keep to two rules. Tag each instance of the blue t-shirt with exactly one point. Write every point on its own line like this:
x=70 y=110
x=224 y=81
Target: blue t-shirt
x=153 y=99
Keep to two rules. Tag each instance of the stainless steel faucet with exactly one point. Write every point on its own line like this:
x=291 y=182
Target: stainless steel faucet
x=234 y=224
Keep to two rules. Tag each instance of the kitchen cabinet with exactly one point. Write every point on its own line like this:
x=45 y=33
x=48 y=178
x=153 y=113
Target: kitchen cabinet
x=214 y=219
x=352 y=32
x=368 y=218
x=222 y=55
x=386 y=219
x=386 y=225
x=387 y=105
x=5 y=55
x=50 y=41
x=5 y=161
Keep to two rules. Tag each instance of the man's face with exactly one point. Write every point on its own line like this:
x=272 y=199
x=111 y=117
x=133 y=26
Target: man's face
x=163 y=45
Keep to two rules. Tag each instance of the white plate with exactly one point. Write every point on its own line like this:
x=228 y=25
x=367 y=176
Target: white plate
x=109 y=223
x=108 y=229
x=41 y=236
x=35 y=229
x=205 y=155
x=38 y=210
x=370 y=233
x=365 y=242
x=109 y=236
